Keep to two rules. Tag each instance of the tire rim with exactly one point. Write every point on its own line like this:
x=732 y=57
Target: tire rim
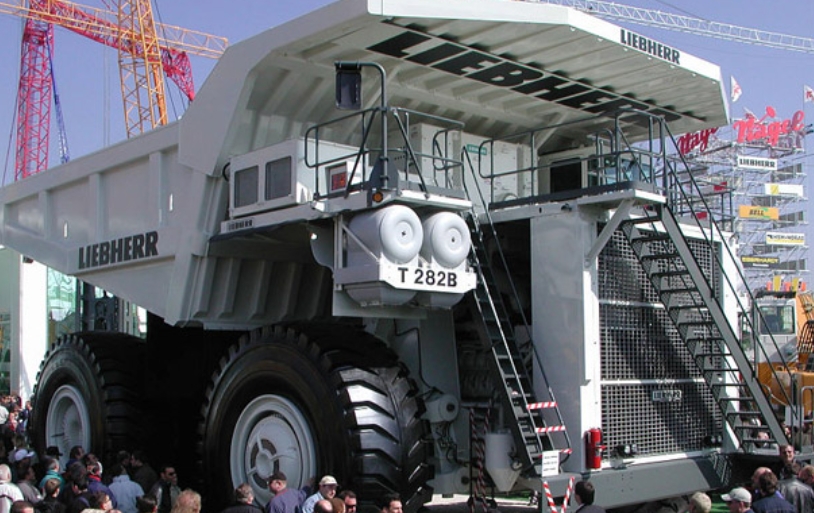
x=271 y=434
x=68 y=421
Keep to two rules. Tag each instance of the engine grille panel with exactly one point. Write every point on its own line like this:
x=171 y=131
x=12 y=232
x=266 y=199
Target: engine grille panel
x=660 y=418
x=653 y=394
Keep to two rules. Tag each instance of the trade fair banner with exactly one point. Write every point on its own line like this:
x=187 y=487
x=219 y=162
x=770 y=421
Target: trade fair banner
x=784 y=189
x=785 y=239
x=757 y=163
x=764 y=262
x=753 y=212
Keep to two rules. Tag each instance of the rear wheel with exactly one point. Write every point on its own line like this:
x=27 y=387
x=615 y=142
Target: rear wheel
x=88 y=393
x=337 y=402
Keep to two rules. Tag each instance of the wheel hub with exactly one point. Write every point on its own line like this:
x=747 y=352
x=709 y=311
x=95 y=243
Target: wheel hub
x=271 y=435
x=68 y=421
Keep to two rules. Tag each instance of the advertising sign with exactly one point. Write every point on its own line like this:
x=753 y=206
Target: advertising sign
x=757 y=163
x=753 y=130
x=764 y=262
x=785 y=239
x=753 y=212
x=783 y=189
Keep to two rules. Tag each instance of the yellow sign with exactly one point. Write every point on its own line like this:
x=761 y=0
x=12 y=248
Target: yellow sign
x=753 y=212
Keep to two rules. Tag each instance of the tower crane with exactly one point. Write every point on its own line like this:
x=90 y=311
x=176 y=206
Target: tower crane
x=147 y=51
x=687 y=24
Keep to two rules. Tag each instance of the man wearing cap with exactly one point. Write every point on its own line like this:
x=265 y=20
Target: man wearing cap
x=285 y=499
x=327 y=490
x=739 y=500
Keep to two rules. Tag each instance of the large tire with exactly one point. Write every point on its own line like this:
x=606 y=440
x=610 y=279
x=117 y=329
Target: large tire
x=337 y=402
x=88 y=393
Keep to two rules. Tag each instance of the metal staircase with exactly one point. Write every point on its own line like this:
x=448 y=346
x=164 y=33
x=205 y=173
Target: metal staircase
x=692 y=302
x=514 y=363
x=537 y=425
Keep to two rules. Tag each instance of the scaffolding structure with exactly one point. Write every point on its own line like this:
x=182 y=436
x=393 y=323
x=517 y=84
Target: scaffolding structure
x=753 y=174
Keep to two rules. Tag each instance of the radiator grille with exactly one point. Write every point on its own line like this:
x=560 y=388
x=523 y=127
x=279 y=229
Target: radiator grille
x=643 y=356
x=656 y=419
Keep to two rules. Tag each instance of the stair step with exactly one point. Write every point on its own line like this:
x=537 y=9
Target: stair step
x=660 y=256
x=652 y=237
x=641 y=220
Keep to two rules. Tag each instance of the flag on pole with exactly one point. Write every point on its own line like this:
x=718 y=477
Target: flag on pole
x=736 y=89
x=808 y=94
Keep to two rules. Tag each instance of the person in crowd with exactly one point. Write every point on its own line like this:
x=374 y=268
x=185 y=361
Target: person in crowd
x=797 y=492
x=787 y=466
x=756 y=493
x=189 y=501
x=584 y=495
x=25 y=414
x=146 y=504
x=349 y=498
x=49 y=502
x=323 y=506
x=22 y=507
x=52 y=471
x=771 y=502
x=166 y=490
x=74 y=455
x=285 y=500
x=337 y=505
x=27 y=482
x=75 y=494
x=739 y=500
x=244 y=501
x=95 y=483
x=142 y=472
x=20 y=449
x=125 y=490
x=327 y=490
x=100 y=500
x=699 y=503
x=9 y=492
x=391 y=503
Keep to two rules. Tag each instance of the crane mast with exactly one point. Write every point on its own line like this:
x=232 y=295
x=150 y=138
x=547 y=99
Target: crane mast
x=34 y=98
x=142 y=80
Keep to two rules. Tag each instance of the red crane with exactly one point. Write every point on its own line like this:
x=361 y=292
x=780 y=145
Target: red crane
x=143 y=57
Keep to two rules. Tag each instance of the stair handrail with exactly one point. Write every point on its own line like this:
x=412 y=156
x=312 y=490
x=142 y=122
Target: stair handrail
x=468 y=160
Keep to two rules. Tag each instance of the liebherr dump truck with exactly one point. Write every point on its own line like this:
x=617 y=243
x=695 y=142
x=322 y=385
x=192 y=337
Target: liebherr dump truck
x=490 y=275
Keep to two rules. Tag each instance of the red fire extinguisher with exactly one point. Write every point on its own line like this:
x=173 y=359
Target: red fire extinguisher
x=593 y=448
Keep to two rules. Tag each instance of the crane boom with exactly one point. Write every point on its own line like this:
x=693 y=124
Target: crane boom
x=688 y=24
x=105 y=23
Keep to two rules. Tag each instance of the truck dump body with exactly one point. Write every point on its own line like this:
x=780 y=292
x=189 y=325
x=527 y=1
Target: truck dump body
x=136 y=218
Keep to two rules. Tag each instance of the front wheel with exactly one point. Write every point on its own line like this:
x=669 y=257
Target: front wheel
x=336 y=403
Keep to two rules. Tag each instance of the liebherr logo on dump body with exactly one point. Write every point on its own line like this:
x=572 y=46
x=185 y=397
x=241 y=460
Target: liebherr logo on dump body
x=124 y=249
x=532 y=80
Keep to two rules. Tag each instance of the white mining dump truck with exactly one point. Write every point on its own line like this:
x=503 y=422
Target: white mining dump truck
x=491 y=275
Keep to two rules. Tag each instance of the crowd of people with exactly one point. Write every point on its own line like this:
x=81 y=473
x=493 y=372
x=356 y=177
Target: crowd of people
x=787 y=487
x=33 y=484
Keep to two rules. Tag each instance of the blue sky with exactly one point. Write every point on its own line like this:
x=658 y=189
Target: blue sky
x=88 y=81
